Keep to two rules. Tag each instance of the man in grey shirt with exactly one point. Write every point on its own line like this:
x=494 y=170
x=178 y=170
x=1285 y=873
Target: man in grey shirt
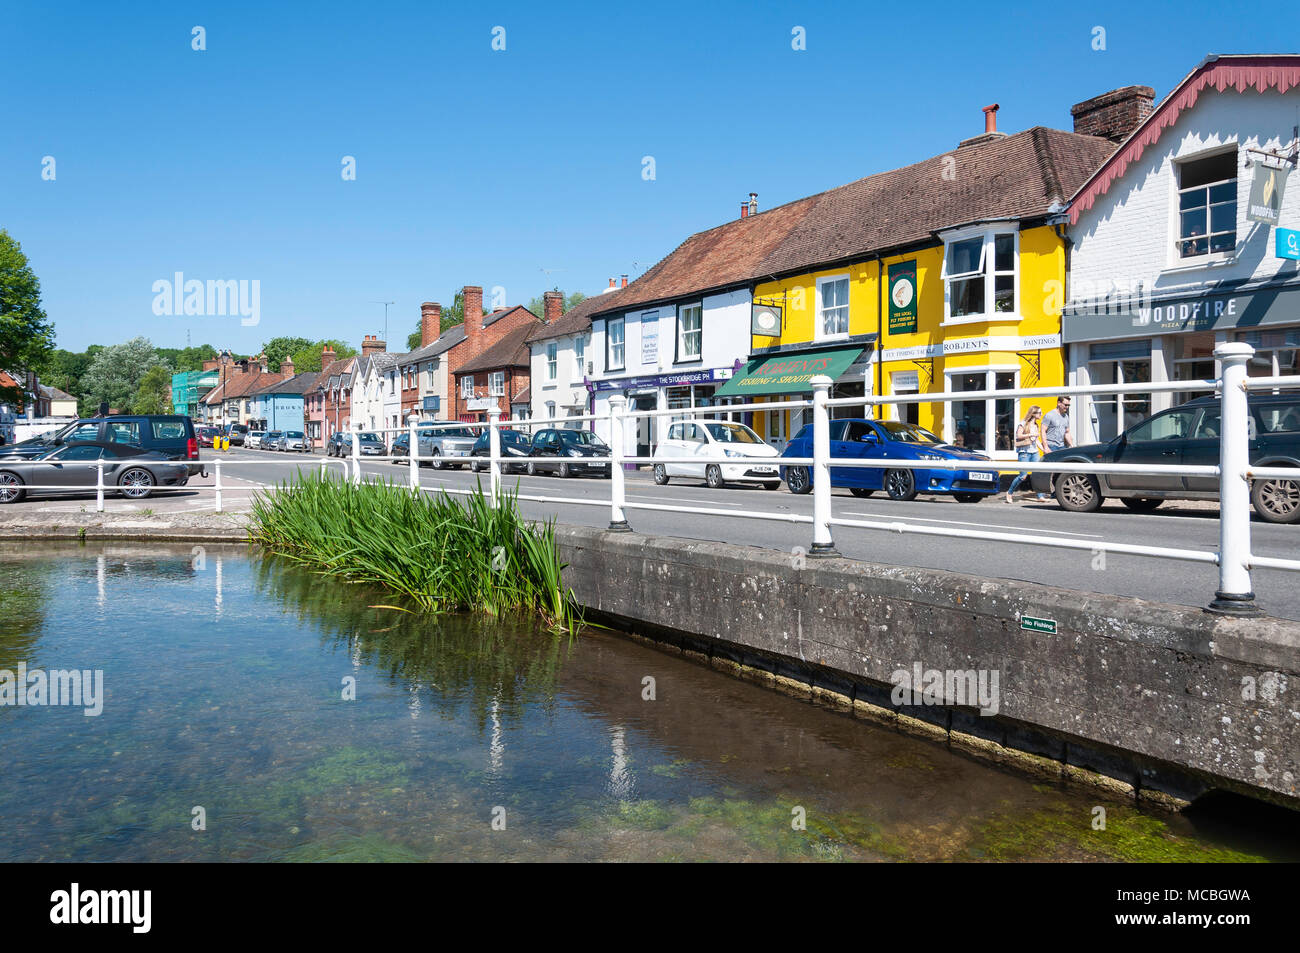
x=1056 y=426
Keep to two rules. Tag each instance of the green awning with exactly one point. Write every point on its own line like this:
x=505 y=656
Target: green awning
x=788 y=373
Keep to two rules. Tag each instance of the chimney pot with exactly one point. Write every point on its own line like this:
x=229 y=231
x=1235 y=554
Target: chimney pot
x=744 y=210
x=991 y=118
x=753 y=203
x=611 y=282
x=625 y=281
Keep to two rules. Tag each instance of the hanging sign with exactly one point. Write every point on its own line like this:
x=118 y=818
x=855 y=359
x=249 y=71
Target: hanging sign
x=1266 y=190
x=902 y=298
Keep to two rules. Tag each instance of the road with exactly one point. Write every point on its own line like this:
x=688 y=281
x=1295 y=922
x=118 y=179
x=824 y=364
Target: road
x=1179 y=525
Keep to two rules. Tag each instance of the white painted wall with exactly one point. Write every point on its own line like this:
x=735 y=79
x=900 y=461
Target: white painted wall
x=568 y=388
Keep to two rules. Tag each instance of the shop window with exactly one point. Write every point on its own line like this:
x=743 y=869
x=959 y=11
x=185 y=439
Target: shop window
x=979 y=275
x=1194 y=361
x=690 y=332
x=1120 y=362
x=832 y=307
x=614 y=351
x=1207 y=205
x=985 y=424
x=1275 y=352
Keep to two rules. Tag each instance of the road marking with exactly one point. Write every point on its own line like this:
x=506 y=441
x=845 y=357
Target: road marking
x=1018 y=529
x=679 y=499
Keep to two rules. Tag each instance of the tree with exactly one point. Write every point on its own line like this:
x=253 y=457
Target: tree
x=277 y=349
x=307 y=359
x=116 y=372
x=154 y=395
x=567 y=302
x=187 y=358
x=26 y=336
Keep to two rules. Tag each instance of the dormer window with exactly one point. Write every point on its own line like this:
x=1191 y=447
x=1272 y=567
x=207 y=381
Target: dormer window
x=979 y=275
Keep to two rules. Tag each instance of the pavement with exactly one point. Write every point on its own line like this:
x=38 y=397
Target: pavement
x=1180 y=525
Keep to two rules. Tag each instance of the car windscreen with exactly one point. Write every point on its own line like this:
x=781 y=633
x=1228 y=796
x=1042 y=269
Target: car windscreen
x=462 y=432
x=907 y=433
x=296 y=434
x=580 y=438
x=732 y=433
x=371 y=438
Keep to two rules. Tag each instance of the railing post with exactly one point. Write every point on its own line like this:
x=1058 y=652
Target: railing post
x=1234 y=595
x=356 y=454
x=413 y=450
x=494 y=451
x=617 y=519
x=99 y=487
x=217 y=463
x=822 y=544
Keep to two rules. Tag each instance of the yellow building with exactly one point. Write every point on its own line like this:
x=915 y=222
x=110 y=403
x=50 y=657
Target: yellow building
x=944 y=276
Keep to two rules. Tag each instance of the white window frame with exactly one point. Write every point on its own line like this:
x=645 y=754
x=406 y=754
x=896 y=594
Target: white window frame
x=467 y=387
x=431 y=370
x=819 y=322
x=680 y=354
x=1177 y=261
x=580 y=355
x=610 y=364
x=987 y=269
x=497 y=384
x=552 y=360
x=990 y=372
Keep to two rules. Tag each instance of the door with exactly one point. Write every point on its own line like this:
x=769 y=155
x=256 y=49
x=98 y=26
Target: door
x=675 y=446
x=61 y=473
x=846 y=444
x=645 y=429
x=1157 y=441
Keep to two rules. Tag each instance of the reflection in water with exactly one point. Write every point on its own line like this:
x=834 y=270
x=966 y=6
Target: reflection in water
x=453 y=717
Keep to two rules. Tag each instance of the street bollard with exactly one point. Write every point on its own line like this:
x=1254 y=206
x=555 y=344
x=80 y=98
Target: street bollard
x=1234 y=595
x=356 y=455
x=494 y=452
x=617 y=518
x=413 y=450
x=99 y=487
x=822 y=544
x=217 y=463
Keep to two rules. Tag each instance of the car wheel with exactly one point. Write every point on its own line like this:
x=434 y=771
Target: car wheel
x=1078 y=493
x=860 y=492
x=532 y=468
x=11 y=488
x=968 y=497
x=1276 y=501
x=713 y=476
x=1141 y=505
x=436 y=460
x=900 y=485
x=474 y=466
x=564 y=470
x=798 y=480
x=136 y=483
x=661 y=475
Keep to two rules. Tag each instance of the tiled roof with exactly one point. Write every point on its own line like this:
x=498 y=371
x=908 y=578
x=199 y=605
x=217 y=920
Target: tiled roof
x=578 y=318
x=237 y=385
x=1019 y=176
x=446 y=341
x=493 y=317
x=298 y=384
x=510 y=351
x=53 y=393
x=523 y=397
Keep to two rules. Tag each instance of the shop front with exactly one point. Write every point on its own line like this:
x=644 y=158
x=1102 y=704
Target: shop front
x=1173 y=339
x=683 y=390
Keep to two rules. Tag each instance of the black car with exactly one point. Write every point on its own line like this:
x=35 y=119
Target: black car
x=271 y=440
x=129 y=470
x=1187 y=435
x=340 y=445
x=567 y=452
x=513 y=444
x=171 y=435
x=401 y=448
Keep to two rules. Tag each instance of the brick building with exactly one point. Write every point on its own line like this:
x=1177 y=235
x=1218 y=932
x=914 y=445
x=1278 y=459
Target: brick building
x=493 y=357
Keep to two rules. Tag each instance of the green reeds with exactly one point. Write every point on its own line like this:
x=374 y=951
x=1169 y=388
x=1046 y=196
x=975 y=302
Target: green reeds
x=444 y=553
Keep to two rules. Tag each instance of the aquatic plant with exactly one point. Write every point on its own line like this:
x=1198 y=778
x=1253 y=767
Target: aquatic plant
x=443 y=553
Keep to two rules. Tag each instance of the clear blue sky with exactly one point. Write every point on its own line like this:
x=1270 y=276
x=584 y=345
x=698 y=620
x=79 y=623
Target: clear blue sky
x=484 y=167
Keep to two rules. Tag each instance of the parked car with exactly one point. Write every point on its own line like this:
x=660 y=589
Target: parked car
x=717 y=438
x=271 y=441
x=293 y=440
x=253 y=439
x=1187 y=435
x=207 y=435
x=129 y=470
x=338 y=444
x=236 y=433
x=172 y=435
x=443 y=445
x=568 y=452
x=401 y=448
x=862 y=439
x=513 y=444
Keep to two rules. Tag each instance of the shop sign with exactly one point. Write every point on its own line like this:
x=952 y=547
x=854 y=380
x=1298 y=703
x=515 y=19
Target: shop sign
x=902 y=298
x=650 y=340
x=1207 y=313
x=765 y=320
x=905 y=381
x=1266 y=190
x=480 y=403
x=664 y=380
x=1287 y=243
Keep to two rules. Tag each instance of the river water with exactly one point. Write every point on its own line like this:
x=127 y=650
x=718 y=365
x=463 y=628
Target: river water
x=254 y=711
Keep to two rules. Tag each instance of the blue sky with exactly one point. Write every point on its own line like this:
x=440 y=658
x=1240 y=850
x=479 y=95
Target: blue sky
x=476 y=166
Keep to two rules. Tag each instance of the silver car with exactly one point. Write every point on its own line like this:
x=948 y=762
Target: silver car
x=293 y=440
x=128 y=470
x=447 y=446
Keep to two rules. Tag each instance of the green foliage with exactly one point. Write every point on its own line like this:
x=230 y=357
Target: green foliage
x=277 y=349
x=306 y=360
x=116 y=372
x=569 y=301
x=442 y=554
x=154 y=395
x=452 y=315
x=26 y=336
x=186 y=358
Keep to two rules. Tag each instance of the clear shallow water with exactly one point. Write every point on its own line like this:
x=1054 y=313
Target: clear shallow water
x=224 y=682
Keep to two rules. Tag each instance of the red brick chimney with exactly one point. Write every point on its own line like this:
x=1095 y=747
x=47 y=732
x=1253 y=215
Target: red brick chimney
x=552 y=306
x=326 y=357
x=212 y=364
x=286 y=368
x=372 y=345
x=472 y=296
x=430 y=322
x=1115 y=114
x=624 y=281
x=744 y=210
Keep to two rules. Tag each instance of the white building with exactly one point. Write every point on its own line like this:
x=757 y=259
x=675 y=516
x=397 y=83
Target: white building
x=561 y=363
x=376 y=388
x=1169 y=256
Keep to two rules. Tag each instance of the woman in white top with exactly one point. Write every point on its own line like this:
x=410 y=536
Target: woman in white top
x=1029 y=446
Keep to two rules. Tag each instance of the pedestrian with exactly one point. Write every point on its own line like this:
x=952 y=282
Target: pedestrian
x=1056 y=427
x=1029 y=442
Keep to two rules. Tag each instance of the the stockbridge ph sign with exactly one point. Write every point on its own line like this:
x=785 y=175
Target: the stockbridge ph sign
x=664 y=380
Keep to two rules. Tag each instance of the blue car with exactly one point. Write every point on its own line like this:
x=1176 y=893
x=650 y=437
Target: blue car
x=890 y=440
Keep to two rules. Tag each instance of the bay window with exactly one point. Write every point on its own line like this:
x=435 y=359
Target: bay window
x=979 y=276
